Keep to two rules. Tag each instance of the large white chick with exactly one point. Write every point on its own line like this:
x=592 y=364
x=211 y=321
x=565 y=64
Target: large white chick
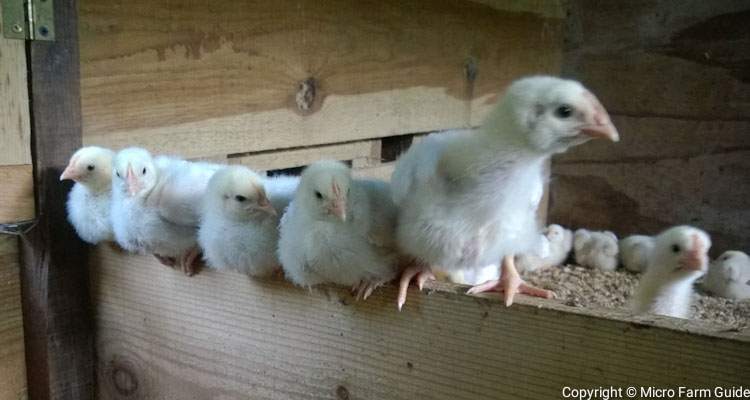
x=239 y=221
x=635 y=251
x=556 y=244
x=156 y=204
x=678 y=259
x=597 y=250
x=729 y=276
x=339 y=230
x=89 y=201
x=465 y=198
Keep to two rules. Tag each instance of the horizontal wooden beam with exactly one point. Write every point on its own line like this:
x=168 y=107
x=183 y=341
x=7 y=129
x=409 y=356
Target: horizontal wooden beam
x=223 y=335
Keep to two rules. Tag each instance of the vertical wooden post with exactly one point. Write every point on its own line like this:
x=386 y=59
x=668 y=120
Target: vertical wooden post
x=56 y=304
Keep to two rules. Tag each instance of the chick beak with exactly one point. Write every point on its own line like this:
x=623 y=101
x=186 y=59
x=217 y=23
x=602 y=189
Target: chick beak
x=132 y=181
x=70 y=172
x=696 y=259
x=599 y=125
x=338 y=208
x=266 y=206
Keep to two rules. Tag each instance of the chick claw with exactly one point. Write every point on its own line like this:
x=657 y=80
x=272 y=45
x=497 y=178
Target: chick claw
x=364 y=289
x=166 y=261
x=187 y=261
x=422 y=273
x=509 y=284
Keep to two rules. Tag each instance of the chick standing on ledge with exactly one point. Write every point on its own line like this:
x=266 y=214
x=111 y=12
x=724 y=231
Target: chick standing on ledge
x=89 y=200
x=467 y=199
x=339 y=230
x=239 y=221
x=679 y=257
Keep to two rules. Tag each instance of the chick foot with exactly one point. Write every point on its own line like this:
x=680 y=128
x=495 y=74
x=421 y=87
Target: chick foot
x=509 y=284
x=188 y=261
x=422 y=274
x=364 y=289
x=166 y=261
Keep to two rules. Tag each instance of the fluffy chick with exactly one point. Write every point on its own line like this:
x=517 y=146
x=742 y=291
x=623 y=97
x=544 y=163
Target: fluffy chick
x=729 y=276
x=596 y=250
x=678 y=259
x=339 y=230
x=155 y=205
x=89 y=201
x=556 y=244
x=239 y=222
x=467 y=199
x=635 y=251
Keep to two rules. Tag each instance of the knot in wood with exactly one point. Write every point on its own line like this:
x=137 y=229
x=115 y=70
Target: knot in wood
x=306 y=94
x=470 y=69
x=123 y=379
x=342 y=393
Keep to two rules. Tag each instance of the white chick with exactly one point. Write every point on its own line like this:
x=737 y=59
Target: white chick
x=89 y=200
x=635 y=251
x=729 y=276
x=155 y=205
x=678 y=259
x=596 y=250
x=239 y=221
x=465 y=197
x=339 y=230
x=556 y=245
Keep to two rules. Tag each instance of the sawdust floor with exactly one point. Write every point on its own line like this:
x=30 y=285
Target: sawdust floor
x=582 y=287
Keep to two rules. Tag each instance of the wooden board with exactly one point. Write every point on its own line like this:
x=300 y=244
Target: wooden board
x=223 y=335
x=675 y=80
x=15 y=133
x=16 y=193
x=56 y=305
x=364 y=153
x=12 y=364
x=222 y=77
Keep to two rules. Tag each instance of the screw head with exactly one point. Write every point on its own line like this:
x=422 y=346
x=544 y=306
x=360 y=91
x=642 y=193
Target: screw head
x=17 y=28
x=44 y=31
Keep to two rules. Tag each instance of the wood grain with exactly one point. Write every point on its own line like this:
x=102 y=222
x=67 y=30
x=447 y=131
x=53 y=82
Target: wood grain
x=16 y=193
x=12 y=364
x=15 y=134
x=364 y=152
x=222 y=77
x=675 y=81
x=56 y=304
x=223 y=335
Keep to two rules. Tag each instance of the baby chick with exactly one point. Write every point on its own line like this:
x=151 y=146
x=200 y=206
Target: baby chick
x=239 y=222
x=729 y=276
x=89 y=200
x=635 y=251
x=678 y=259
x=596 y=249
x=556 y=245
x=339 y=230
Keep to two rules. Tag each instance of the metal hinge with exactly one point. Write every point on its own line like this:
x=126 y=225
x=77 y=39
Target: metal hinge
x=28 y=19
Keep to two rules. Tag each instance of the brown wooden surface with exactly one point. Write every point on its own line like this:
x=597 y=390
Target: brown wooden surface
x=56 y=305
x=222 y=77
x=12 y=363
x=14 y=103
x=676 y=81
x=16 y=193
x=161 y=335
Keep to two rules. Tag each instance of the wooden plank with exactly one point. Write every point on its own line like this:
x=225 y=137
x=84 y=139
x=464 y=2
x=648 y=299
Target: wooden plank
x=222 y=335
x=12 y=364
x=14 y=103
x=382 y=171
x=363 y=152
x=56 y=304
x=16 y=193
x=680 y=100
x=223 y=77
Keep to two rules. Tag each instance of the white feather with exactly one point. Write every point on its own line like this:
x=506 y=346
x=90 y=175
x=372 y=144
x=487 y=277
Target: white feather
x=635 y=251
x=596 y=250
x=729 y=276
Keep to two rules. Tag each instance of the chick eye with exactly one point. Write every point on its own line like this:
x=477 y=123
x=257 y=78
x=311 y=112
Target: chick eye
x=564 y=111
x=144 y=171
x=318 y=195
x=90 y=168
x=675 y=248
x=117 y=173
x=240 y=198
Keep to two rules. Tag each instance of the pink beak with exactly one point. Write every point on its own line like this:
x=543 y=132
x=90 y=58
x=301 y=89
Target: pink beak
x=70 y=173
x=133 y=185
x=338 y=208
x=600 y=125
x=696 y=259
x=266 y=206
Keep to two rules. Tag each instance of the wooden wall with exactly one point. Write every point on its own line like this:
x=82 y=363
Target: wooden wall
x=676 y=82
x=12 y=359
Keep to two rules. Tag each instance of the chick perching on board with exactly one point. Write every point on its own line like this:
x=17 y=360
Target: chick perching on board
x=89 y=200
x=464 y=197
x=239 y=221
x=339 y=230
x=679 y=257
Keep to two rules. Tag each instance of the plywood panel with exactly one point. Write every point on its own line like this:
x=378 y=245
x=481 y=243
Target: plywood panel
x=675 y=81
x=12 y=363
x=206 y=78
x=222 y=335
x=15 y=133
x=16 y=193
x=365 y=152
